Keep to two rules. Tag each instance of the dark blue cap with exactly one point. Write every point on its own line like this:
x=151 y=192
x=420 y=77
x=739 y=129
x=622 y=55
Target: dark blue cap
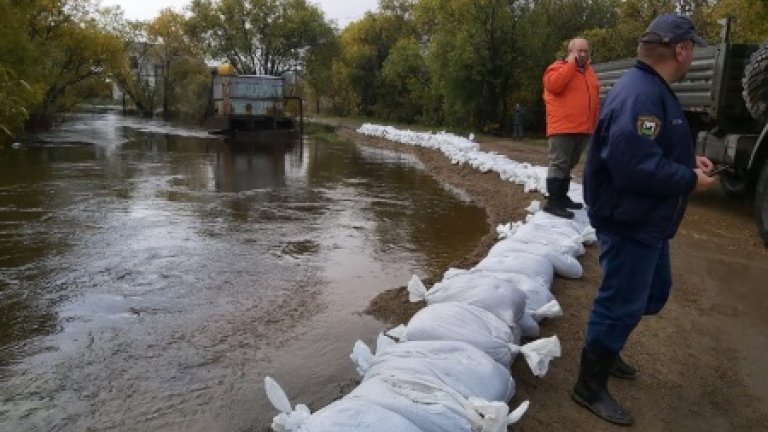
x=671 y=29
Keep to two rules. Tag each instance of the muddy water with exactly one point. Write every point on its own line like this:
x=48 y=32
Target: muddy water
x=150 y=276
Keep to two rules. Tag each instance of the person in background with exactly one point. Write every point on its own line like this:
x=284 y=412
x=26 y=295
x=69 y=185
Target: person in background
x=571 y=97
x=517 y=123
x=640 y=169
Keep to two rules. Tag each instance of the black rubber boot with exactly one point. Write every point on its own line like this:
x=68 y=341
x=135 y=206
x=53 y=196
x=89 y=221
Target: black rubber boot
x=623 y=370
x=591 y=392
x=555 y=204
x=568 y=203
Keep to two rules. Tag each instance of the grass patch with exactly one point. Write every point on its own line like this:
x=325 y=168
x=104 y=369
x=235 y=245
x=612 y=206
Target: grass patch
x=321 y=132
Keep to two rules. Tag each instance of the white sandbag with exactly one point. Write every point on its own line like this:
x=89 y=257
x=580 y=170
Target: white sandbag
x=432 y=406
x=459 y=365
x=537 y=292
x=565 y=265
x=537 y=233
x=529 y=327
x=288 y=419
x=481 y=329
x=466 y=323
x=580 y=223
x=537 y=295
x=350 y=415
x=497 y=296
x=340 y=416
x=527 y=264
x=575 y=225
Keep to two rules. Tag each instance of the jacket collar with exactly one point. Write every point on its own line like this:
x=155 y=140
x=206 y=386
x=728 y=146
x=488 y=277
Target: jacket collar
x=645 y=67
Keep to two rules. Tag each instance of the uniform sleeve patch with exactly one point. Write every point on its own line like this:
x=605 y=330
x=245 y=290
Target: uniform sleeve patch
x=648 y=126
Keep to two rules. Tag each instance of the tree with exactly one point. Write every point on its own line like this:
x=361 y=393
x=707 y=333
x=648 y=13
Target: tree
x=259 y=36
x=69 y=51
x=750 y=17
x=79 y=53
x=15 y=95
x=319 y=70
x=15 y=48
x=180 y=61
x=471 y=54
x=364 y=47
x=406 y=79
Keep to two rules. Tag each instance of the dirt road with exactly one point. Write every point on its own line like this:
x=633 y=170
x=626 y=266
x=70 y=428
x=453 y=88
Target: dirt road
x=702 y=361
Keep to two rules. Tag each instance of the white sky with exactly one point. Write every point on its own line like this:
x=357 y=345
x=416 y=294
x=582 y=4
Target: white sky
x=342 y=11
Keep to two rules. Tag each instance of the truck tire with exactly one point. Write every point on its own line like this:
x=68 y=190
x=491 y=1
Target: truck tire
x=761 y=203
x=755 y=84
x=733 y=185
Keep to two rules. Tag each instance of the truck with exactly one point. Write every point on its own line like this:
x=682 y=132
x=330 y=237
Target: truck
x=725 y=99
x=252 y=108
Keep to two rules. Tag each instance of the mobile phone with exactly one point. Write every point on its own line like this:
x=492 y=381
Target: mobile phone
x=718 y=170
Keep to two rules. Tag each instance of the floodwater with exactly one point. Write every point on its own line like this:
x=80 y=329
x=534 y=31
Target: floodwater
x=152 y=276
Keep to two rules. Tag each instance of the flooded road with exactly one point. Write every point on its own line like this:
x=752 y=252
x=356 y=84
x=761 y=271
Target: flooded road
x=151 y=276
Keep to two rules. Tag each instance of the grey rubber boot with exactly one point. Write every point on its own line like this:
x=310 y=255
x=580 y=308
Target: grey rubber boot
x=591 y=392
x=555 y=202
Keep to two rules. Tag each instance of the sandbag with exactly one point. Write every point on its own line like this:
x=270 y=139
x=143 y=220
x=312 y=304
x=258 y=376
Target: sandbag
x=565 y=265
x=541 y=234
x=466 y=323
x=500 y=297
x=537 y=294
x=539 y=301
x=432 y=406
x=461 y=366
x=352 y=415
x=481 y=329
x=524 y=263
x=340 y=416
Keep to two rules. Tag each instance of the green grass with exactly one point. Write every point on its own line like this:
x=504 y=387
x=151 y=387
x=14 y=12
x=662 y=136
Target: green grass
x=321 y=132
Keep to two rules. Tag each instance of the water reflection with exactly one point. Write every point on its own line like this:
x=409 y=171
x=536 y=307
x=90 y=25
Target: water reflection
x=151 y=276
x=243 y=167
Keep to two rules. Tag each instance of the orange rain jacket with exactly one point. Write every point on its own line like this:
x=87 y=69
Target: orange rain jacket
x=572 y=98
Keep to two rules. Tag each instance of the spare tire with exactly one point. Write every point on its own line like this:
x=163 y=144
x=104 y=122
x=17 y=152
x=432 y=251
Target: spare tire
x=755 y=84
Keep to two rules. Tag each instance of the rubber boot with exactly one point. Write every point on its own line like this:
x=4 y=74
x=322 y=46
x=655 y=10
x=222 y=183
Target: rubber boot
x=623 y=370
x=591 y=392
x=555 y=205
x=568 y=203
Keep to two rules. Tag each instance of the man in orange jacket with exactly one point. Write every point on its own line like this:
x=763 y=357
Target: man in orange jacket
x=571 y=96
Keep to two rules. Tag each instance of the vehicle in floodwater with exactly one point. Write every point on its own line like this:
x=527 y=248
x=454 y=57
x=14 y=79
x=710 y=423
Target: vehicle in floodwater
x=252 y=109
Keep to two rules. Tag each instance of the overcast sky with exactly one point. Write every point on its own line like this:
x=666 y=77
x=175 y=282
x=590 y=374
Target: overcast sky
x=343 y=11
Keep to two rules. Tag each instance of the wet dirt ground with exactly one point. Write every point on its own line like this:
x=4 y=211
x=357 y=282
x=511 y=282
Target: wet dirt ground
x=701 y=361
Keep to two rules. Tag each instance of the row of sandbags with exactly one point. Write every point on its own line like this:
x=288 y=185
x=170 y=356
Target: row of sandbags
x=448 y=368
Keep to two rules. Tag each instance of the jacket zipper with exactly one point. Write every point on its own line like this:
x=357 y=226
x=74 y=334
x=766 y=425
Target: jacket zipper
x=589 y=96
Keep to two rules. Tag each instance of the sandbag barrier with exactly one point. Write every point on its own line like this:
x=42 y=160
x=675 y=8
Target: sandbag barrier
x=448 y=369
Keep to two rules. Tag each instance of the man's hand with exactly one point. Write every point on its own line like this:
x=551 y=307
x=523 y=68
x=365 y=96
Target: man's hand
x=703 y=181
x=704 y=164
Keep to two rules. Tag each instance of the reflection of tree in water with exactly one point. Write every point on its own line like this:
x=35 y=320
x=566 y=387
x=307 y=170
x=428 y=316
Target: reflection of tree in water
x=26 y=192
x=244 y=168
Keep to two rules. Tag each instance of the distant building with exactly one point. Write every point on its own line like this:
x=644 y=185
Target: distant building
x=144 y=64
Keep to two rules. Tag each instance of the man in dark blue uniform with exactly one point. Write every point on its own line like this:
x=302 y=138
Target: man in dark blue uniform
x=640 y=169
